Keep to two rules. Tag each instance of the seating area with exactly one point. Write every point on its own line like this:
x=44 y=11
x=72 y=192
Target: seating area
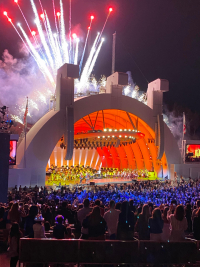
x=146 y=253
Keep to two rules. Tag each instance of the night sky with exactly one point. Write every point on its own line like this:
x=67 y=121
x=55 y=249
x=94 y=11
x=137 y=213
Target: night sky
x=161 y=37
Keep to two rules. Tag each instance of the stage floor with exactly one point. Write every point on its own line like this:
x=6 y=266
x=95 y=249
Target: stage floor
x=114 y=180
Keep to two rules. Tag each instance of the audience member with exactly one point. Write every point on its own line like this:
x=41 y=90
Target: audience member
x=38 y=228
x=111 y=217
x=142 y=224
x=15 y=236
x=156 y=225
x=178 y=224
x=95 y=224
x=196 y=225
x=59 y=230
x=126 y=223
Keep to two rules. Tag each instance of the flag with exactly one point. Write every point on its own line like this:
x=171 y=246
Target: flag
x=25 y=113
x=184 y=124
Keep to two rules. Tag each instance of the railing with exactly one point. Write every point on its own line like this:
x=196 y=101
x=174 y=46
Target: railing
x=53 y=251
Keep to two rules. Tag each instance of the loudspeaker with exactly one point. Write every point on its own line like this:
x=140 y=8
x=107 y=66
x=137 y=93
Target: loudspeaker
x=4 y=165
x=92 y=183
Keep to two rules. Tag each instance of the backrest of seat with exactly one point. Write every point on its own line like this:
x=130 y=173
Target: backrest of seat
x=108 y=252
x=167 y=252
x=48 y=250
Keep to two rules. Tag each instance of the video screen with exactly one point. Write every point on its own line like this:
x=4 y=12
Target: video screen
x=13 y=151
x=192 y=153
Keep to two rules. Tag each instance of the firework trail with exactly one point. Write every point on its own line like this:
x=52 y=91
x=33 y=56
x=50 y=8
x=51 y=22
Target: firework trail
x=63 y=35
x=51 y=50
x=89 y=28
x=76 y=52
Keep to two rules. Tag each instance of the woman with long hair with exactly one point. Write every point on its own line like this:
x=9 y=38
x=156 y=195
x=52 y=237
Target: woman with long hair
x=178 y=224
x=142 y=223
x=14 y=238
x=95 y=224
x=14 y=215
x=156 y=225
x=126 y=223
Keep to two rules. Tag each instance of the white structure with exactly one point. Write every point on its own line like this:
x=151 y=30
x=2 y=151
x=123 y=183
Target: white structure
x=44 y=135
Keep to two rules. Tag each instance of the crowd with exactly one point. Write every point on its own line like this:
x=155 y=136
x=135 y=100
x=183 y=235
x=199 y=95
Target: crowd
x=144 y=210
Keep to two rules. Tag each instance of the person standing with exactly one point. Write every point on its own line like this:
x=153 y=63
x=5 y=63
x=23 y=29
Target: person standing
x=178 y=224
x=14 y=238
x=111 y=217
x=156 y=225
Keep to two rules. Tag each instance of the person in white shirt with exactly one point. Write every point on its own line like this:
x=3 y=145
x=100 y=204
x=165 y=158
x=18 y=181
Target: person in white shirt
x=81 y=214
x=38 y=228
x=111 y=217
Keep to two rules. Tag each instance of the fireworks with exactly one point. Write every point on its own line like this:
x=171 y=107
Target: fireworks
x=51 y=50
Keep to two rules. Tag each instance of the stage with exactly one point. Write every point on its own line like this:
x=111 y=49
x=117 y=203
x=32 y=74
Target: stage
x=104 y=181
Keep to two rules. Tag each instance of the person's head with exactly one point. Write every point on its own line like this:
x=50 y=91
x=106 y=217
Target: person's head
x=157 y=214
x=15 y=230
x=59 y=219
x=179 y=213
x=97 y=202
x=86 y=203
x=145 y=211
x=112 y=204
x=47 y=226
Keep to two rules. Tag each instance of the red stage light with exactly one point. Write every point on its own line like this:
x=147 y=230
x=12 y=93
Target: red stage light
x=74 y=35
x=9 y=19
x=16 y=1
x=33 y=33
x=92 y=17
x=110 y=9
x=58 y=14
x=89 y=28
x=5 y=13
x=42 y=16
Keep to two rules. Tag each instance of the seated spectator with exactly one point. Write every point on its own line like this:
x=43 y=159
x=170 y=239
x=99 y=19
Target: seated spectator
x=142 y=224
x=95 y=224
x=111 y=217
x=59 y=230
x=196 y=225
x=156 y=225
x=14 y=238
x=126 y=223
x=38 y=228
x=178 y=224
